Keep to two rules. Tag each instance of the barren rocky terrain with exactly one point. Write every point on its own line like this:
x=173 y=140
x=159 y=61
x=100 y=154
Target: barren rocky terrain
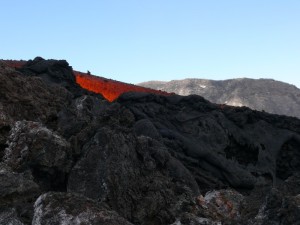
x=69 y=156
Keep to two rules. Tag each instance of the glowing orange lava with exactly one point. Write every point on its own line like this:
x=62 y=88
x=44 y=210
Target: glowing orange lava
x=15 y=63
x=109 y=89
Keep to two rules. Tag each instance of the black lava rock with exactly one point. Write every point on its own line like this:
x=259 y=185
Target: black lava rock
x=143 y=159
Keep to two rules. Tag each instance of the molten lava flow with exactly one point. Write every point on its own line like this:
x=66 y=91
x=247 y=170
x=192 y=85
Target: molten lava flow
x=110 y=89
x=14 y=63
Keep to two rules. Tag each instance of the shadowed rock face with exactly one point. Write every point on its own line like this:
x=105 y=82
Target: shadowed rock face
x=143 y=159
x=262 y=94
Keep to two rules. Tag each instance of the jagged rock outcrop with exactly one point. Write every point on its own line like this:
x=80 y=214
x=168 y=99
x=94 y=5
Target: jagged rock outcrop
x=17 y=192
x=72 y=209
x=33 y=146
x=259 y=94
x=68 y=156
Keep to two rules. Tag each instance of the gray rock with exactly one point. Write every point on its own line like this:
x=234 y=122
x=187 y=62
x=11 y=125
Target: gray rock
x=70 y=209
x=17 y=194
x=9 y=217
x=190 y=219
x=222 y=204
x=261 y=94
x=13 y=183
x=133 y=175
x=279 y=209
x=33 y=146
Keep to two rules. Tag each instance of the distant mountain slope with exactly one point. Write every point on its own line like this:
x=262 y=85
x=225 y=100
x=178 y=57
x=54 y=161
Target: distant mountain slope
x=260 y=94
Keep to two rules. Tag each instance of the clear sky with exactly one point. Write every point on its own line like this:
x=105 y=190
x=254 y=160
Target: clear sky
x=141 y=40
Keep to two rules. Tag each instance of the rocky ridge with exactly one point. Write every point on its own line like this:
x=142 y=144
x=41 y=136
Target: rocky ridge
x=259 y=94
x=69 y=156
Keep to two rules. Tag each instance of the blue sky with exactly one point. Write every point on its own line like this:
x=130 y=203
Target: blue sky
x=140 y=40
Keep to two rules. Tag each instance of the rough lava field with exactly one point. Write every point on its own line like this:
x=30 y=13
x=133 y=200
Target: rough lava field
x=77 y=149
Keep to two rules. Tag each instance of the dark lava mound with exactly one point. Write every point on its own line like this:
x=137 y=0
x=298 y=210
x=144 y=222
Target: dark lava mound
x=69 y=156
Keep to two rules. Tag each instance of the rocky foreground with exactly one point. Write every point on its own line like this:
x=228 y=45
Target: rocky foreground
x=68 y=156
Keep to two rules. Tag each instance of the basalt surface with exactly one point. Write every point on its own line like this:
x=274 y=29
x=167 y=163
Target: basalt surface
x=69 y=156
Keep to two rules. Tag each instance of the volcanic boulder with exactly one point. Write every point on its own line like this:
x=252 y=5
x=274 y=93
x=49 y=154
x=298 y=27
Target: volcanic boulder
x=58 y=208
x=33 y=146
